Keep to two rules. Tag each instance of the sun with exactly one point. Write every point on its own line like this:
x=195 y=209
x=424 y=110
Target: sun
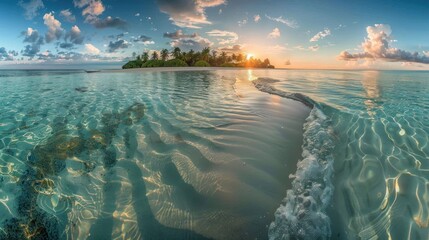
x=249 y=55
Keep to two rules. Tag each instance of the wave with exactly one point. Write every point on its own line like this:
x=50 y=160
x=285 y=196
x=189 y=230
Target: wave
x=302 y=215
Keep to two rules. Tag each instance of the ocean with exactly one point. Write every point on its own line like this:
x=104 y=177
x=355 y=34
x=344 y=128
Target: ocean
x=219 y=154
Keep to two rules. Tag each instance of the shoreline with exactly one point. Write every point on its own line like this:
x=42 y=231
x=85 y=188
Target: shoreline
x=178 y=69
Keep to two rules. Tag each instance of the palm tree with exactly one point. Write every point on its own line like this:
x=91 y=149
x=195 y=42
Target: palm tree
x=234 y=57
x=164 y=54
x=145 y=56
x=205 y=54
x=155 y=55
x=266 y=63
x=223 y=57
x=189 y=58
x=213 y=60
x=176 y=52
x=240 y=57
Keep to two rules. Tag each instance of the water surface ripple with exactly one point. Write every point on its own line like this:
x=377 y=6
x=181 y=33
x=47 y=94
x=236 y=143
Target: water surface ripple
x=381 y=154
x=153 y=155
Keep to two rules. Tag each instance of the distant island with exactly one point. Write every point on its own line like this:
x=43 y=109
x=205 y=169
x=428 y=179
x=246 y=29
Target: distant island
x=205 y=58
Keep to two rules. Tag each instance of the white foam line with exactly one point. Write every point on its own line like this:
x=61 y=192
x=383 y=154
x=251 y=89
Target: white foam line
x=302 y=215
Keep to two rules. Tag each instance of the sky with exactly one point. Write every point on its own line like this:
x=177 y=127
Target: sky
x=331 y=34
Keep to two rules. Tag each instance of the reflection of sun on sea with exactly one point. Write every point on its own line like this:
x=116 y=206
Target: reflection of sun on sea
x=250 y=76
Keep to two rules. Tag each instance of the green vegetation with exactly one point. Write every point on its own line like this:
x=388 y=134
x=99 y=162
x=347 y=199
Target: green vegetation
x=175 y=63
x=133 y=64
x=153 y=63
x=202 y=63
x=204 y=58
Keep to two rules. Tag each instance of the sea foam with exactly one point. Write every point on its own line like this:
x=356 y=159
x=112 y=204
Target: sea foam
x=302 y=215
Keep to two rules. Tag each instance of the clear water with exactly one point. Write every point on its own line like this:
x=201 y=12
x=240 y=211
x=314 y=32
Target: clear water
x=376 y=157
x=212 y=154
x=153 y=155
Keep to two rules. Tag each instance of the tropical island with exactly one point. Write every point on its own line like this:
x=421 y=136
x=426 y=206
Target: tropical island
x=204 y=58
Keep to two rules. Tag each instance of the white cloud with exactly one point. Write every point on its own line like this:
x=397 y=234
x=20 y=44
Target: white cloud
x=188 y=13
x=340 y=26
x=275 y=33
x=224 y=37
x=376 y=46
x=31 y=8
x=67 y=15
x=7 y=55
x=256 y=18
x=196 y=44
x=314 y=48
x=321 y=35
x=310 y=48
x=81 y=3
x=54 y=28
x=91 y=49
x=75 y=35
x=288 y=22
x=276 y=48
x=116 y=45
x=179 y=34
x=137 y=15
x=232 y=49
x=95 y=8
x=242 y=22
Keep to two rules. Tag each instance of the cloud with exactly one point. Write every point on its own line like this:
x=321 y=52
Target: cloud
x=144 y=40
x=179 y=34
x=288 y=22
x=36 y=41
x=74 y=36
x=340 y=26
x=66 y=45
x=32 y=36
x=224 y=37
x=67 y=16
x=310 y=48
x=232 y=49
x=256 y=18
x=242 y=22
x=116 y=45
x=196 y=44
x=321 y=35
x=31 y=7
x=275 y=33
x=54 y=28
x=108 y=22
x=277 y=48
x=81 y=3
x=91 y=49
x=137 y=15
x=188 y=13
x=376 y=47
x=7 y=55
x=94 y=8
x=314 y=48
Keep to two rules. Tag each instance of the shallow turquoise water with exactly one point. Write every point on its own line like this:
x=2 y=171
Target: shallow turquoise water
x=376 y=155
x=154 y=155
x=222 y=154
